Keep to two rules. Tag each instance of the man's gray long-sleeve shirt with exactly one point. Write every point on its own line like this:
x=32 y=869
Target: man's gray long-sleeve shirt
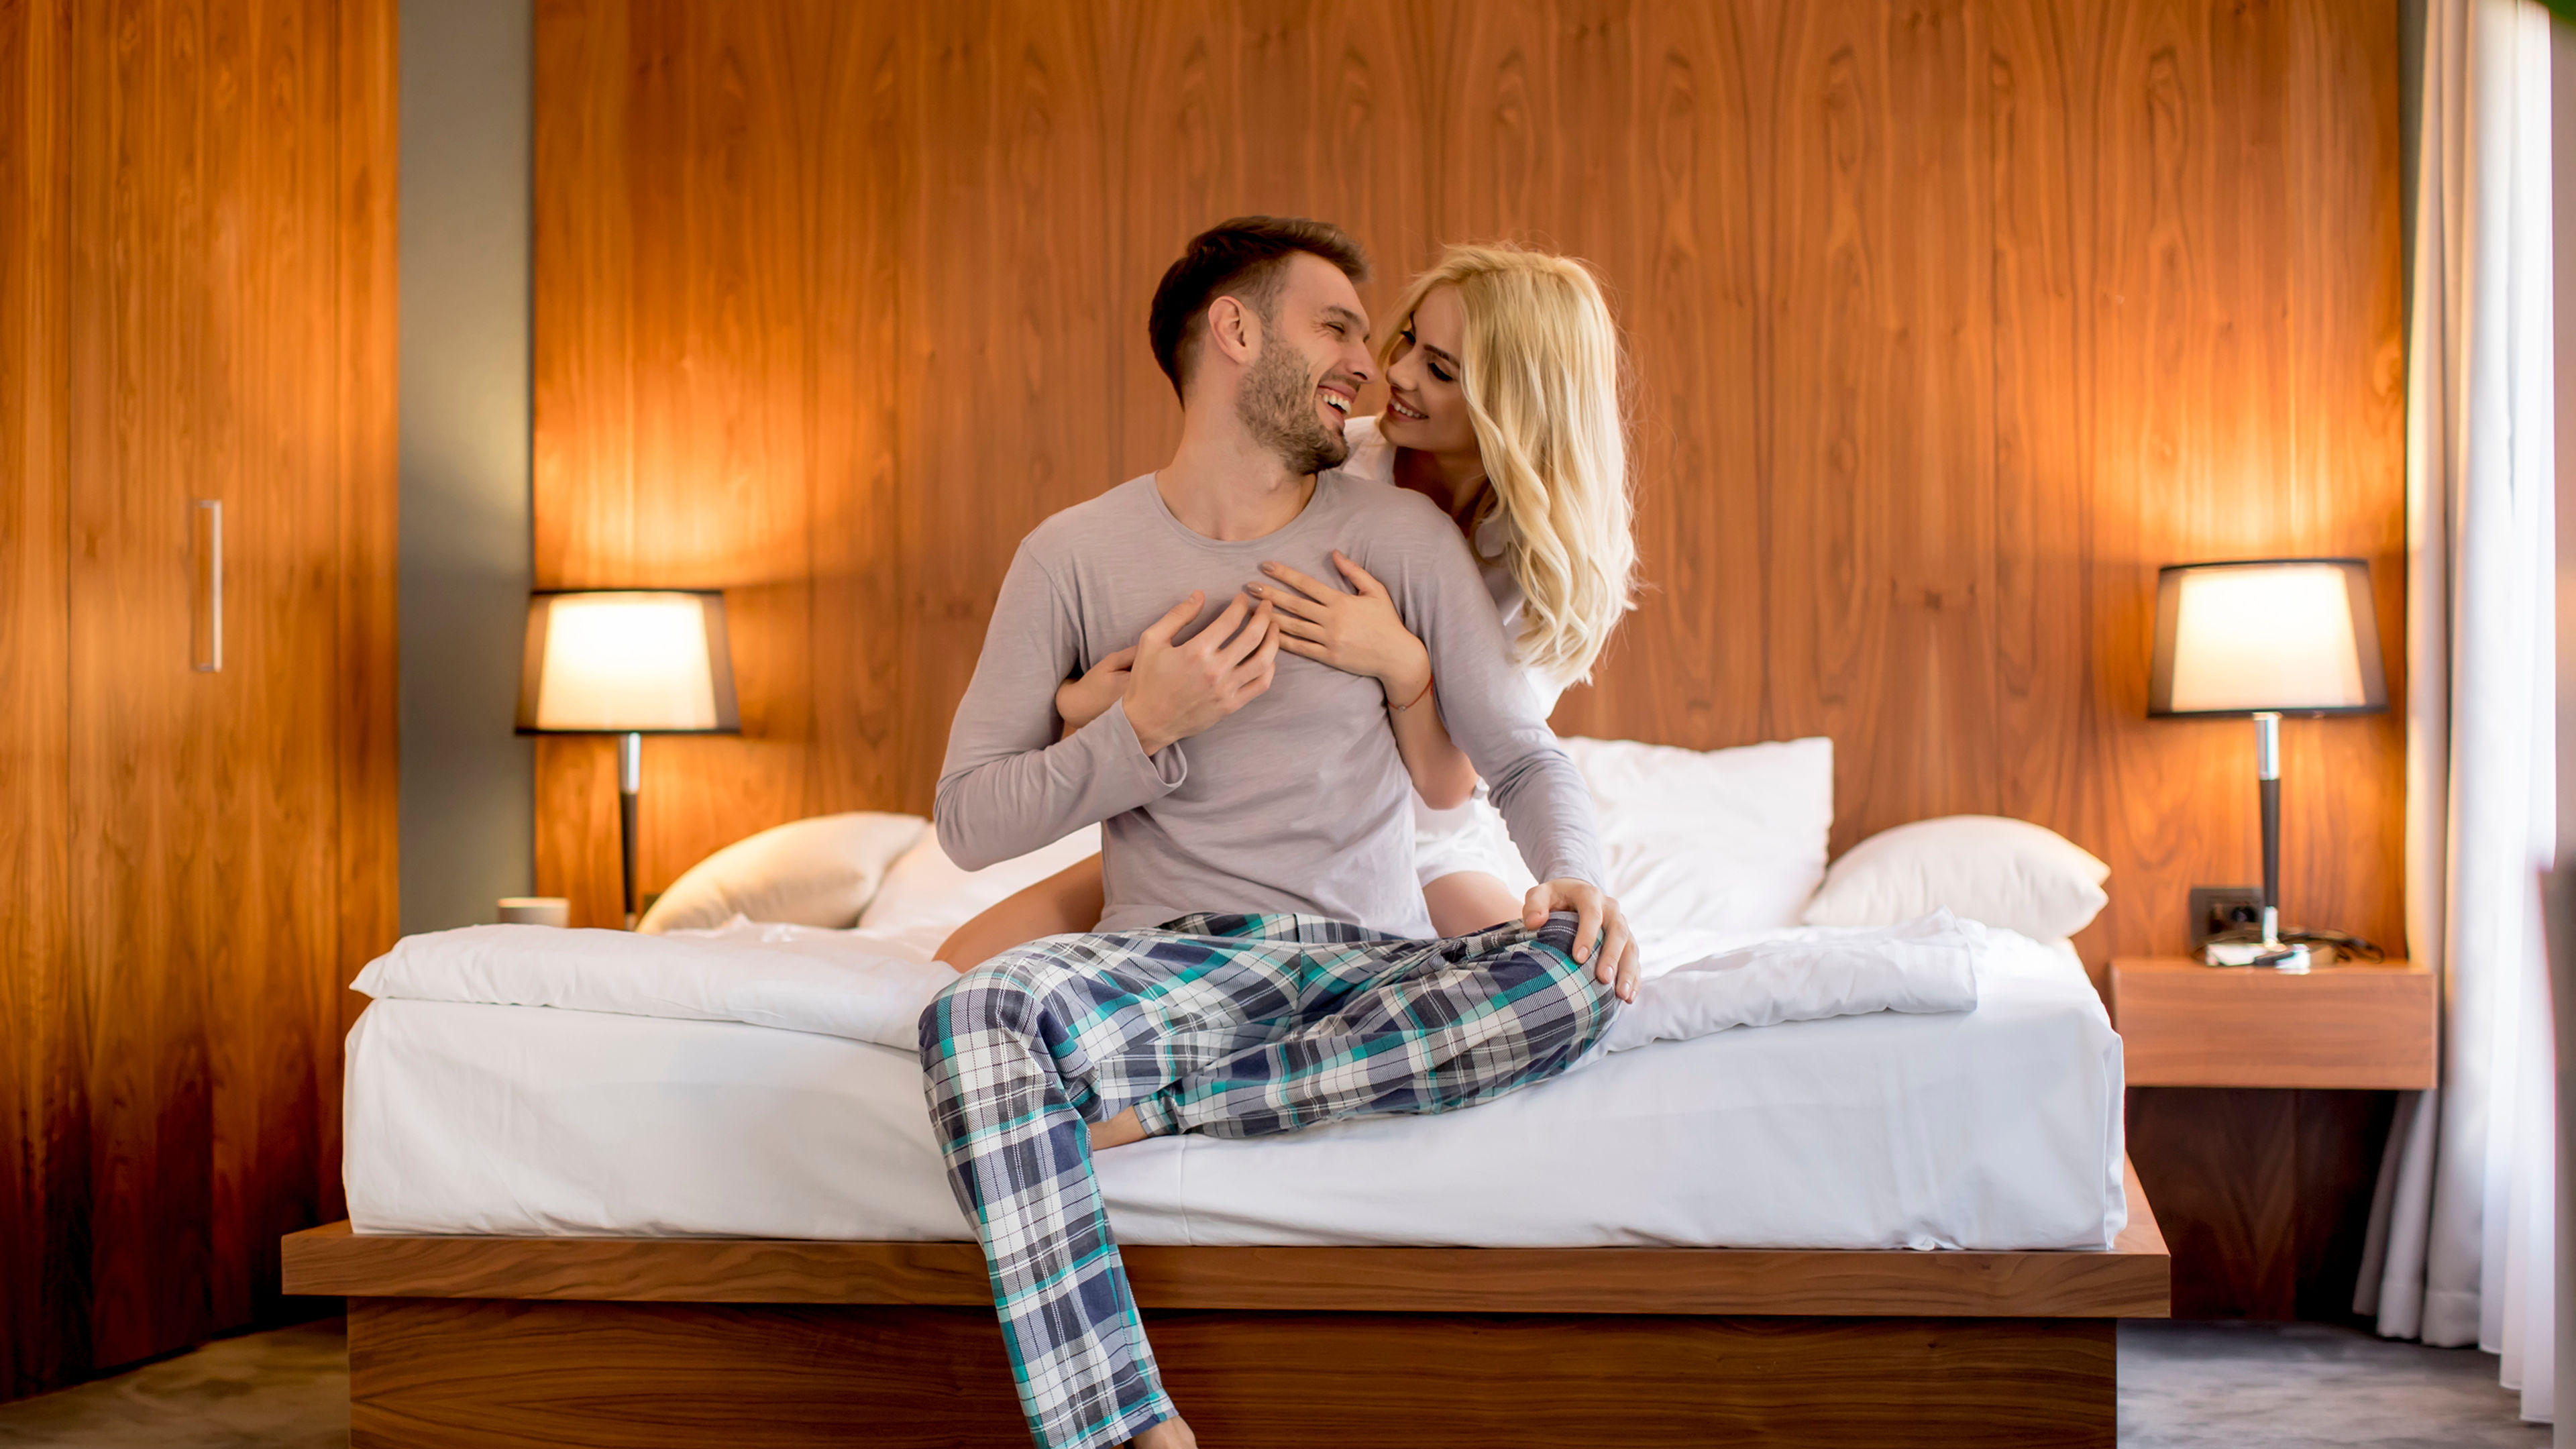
x=1296 y=802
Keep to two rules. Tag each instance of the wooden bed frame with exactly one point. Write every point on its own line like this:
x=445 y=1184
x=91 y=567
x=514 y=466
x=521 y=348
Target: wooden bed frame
x=498 y=1343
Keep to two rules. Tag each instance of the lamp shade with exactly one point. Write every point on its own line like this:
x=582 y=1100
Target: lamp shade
x=627 y=662
x=2286 y=636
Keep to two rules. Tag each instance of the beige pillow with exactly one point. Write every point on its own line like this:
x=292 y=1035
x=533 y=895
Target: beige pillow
x=817 y=872
x=2005 y=873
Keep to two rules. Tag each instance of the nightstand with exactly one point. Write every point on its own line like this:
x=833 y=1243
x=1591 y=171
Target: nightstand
x=2259 y=1104
x=2183 y=1024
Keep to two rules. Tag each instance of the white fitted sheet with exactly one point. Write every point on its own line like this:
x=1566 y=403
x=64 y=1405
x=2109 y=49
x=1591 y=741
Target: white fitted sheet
x=1997 y=1128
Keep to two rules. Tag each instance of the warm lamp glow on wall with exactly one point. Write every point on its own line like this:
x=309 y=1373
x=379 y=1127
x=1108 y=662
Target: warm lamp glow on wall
x=630 y=664
x=2267 y=637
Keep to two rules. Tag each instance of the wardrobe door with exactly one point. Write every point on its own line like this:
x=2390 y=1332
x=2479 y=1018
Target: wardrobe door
x=206 y=695
x=196 y=649
x=266 y=939
x=141 y=603
x=44 y=1145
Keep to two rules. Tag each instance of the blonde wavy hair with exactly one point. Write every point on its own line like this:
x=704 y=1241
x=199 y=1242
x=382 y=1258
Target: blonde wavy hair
x=1540 y=371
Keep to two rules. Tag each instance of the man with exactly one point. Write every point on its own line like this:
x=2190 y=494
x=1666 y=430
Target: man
x=1258 y=824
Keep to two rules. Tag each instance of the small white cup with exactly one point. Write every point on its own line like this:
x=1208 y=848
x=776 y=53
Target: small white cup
x=535 y=911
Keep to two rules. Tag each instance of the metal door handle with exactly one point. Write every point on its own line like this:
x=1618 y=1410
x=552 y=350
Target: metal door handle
x=206 y=634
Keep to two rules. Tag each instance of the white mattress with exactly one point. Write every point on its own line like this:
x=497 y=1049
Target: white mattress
x=1997 y=1129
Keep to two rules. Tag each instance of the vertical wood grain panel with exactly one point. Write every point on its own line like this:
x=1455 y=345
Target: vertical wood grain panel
x=677 y=319
x=583 y=434
x=2228 y=1161
x=1005 y=388
x=718 y=494
x=140 y=736
x=1173 y=135
x=44 y=1125
x=367 y=753
x=852 y=412
x=2263 y=1194
x=2344 y=788
x=2047 y=718
x=1686 y=292
x=2154 y=303
x=1883 y=528
x=271 y=793
x=171 y=291
x=2194 y=319
x=1951 y=322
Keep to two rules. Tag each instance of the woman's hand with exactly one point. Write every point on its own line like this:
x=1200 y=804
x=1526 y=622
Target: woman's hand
x=1601 y=934
x=1080 y=701
x=1357 y=633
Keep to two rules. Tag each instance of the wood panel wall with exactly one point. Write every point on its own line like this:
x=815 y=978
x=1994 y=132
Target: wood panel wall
x=1951 y=321
x=43 y=1113
x=196 y=302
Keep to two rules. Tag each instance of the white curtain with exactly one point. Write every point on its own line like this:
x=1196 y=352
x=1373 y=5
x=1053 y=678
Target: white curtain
x=2463 y=1235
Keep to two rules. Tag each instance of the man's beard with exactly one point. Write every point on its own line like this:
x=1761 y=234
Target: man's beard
x=1277 y=405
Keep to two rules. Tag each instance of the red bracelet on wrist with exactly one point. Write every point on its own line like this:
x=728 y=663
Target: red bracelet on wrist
x=1417 y=699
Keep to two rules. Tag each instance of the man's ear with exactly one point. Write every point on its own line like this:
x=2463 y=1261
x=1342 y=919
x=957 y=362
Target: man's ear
x=1235 y=329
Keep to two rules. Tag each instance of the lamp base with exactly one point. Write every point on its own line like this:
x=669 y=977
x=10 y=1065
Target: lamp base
x=630 y=786
x=2293 y=960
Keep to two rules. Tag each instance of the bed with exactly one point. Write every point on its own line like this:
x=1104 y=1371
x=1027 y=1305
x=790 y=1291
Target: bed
x=617 y=1227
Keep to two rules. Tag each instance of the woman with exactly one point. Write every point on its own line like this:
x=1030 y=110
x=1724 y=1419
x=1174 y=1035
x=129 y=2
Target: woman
x=1503 y=408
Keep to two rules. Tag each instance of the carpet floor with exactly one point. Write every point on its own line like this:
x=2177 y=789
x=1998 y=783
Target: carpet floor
x=2182 y=1386
x=2189 y=1385
x=284 y=1389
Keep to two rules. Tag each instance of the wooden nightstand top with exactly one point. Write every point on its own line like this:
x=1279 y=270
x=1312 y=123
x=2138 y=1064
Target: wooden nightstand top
x=2356 y=1025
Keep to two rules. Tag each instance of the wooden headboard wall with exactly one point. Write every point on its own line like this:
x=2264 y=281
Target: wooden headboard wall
x=1950 y=322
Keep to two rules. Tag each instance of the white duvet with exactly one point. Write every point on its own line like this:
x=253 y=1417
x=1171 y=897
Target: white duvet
x=872 y=988
x=795 y=978
x=1993 y=1128
x=1934 y=1085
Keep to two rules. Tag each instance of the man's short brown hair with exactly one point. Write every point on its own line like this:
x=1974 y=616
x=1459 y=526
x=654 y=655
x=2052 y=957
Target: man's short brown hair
x=1242 y=258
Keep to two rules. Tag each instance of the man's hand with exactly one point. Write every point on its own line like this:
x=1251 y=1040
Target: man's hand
x=1601 y=934
x=1176 y=690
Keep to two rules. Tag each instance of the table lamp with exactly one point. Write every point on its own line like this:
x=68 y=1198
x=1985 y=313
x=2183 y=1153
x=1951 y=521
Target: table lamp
x=632 y=664
x=2267 y=637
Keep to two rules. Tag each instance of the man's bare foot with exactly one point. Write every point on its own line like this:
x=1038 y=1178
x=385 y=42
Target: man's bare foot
x=1118 y=1131
x=1169 y=1434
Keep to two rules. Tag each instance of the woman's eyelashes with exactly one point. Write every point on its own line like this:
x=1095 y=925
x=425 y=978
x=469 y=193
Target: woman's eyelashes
x=1437 y=371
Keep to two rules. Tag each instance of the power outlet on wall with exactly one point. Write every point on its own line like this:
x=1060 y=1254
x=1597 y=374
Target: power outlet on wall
x=2216 y=910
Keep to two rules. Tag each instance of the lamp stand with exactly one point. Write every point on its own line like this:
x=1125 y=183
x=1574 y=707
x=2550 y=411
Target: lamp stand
x=630 y=783
x=2267 y=779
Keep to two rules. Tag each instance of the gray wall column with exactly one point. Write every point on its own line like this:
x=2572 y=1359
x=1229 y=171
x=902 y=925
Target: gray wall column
x=467 y=782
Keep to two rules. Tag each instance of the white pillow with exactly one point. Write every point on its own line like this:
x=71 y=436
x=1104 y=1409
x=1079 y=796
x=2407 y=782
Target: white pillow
x=2009 y=874
x=926 y=895
x=817 y=872
x=1714 y=840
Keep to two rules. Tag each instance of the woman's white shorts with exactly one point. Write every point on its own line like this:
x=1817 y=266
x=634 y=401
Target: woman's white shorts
x=1469 y=837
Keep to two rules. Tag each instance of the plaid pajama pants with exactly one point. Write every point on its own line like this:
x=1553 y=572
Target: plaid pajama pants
x=1234 y=1026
